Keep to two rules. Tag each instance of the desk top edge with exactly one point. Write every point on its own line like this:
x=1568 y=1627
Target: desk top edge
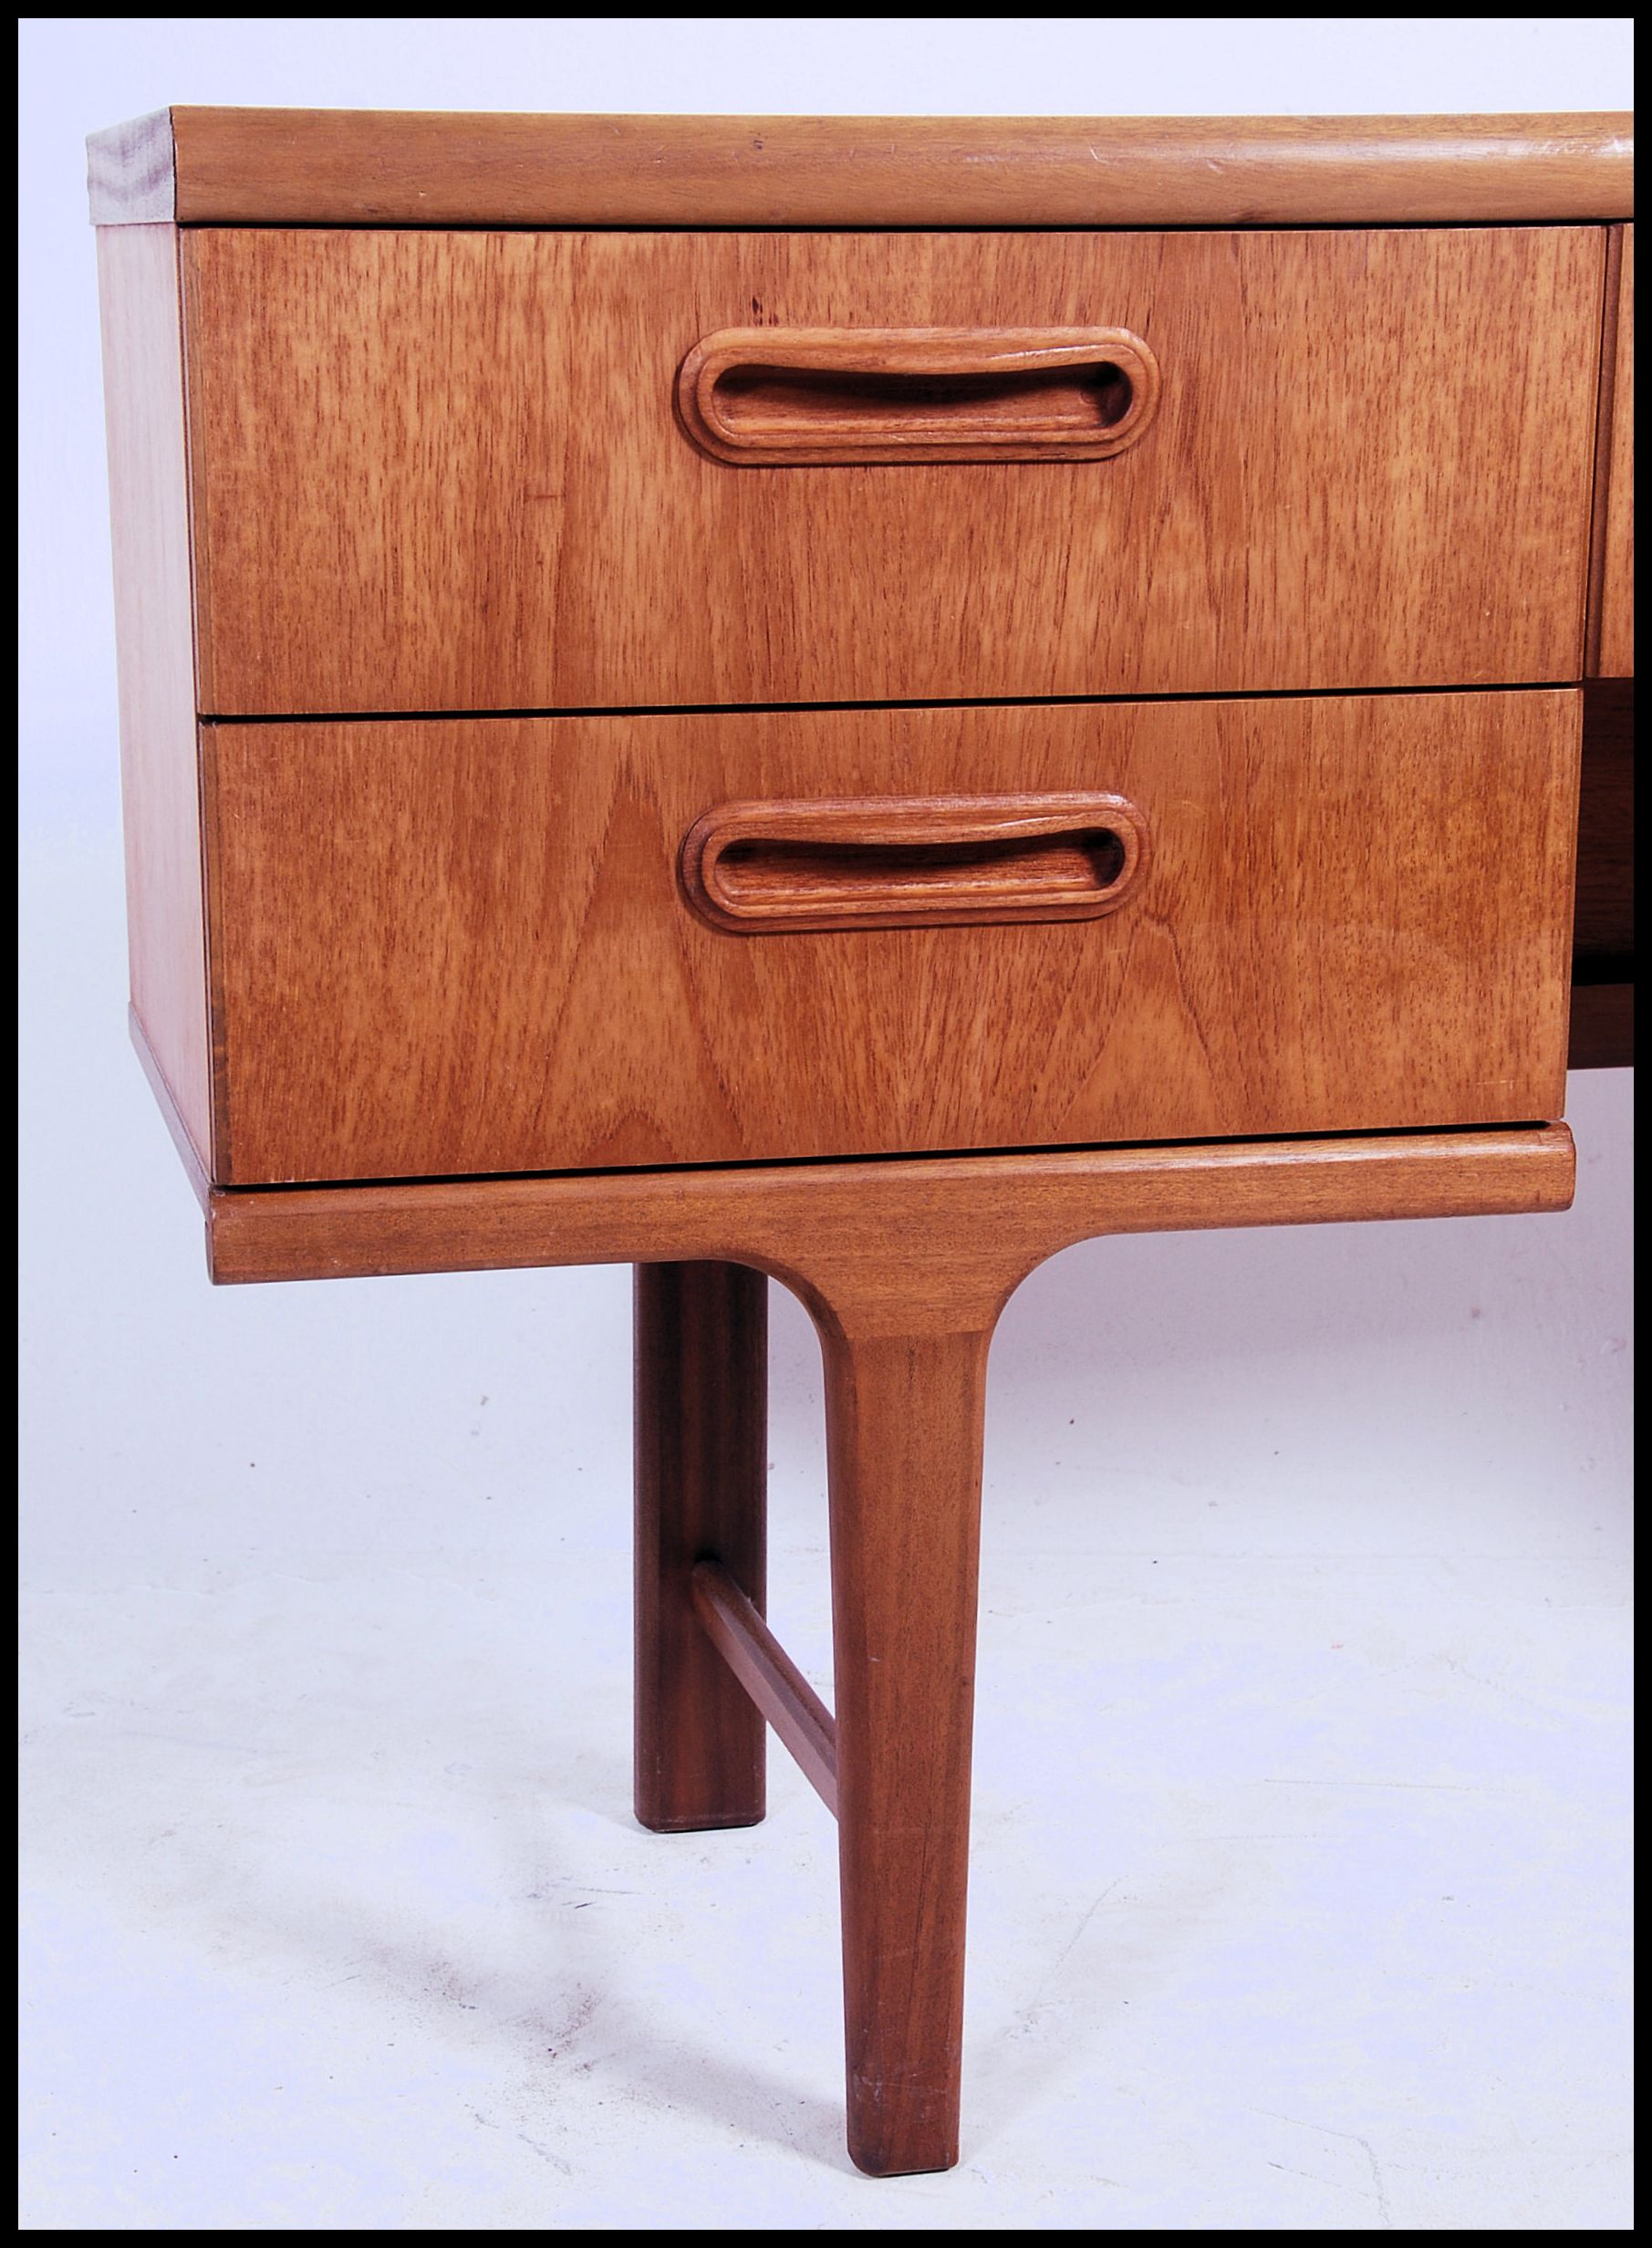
x=203 y=166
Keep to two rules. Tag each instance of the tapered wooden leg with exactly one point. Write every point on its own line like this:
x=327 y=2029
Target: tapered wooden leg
x=701 y=1433
x=904 y=1418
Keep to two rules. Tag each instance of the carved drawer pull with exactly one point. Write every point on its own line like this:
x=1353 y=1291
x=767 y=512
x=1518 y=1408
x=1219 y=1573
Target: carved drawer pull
x=803 y=397
x=899 y=862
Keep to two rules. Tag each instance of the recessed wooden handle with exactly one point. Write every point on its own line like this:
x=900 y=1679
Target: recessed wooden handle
x=818 y=397
x=901 y=862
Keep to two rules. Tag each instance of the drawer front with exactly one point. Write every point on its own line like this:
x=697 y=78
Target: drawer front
x=468 y=472
x=450 y=946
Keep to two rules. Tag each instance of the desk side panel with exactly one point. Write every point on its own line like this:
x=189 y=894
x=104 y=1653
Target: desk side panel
x=159 y=784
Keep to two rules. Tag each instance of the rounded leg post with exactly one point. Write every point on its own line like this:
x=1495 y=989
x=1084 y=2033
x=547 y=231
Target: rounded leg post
x=701 y=1489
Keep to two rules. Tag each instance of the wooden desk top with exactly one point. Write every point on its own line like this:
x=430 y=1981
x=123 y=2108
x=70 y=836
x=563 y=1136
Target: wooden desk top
x=431 y=168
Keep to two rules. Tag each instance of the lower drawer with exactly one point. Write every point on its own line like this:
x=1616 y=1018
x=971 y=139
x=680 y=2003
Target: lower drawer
x=505 y=944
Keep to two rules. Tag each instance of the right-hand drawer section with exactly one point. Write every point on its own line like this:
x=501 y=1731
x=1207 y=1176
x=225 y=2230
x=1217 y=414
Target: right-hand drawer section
x=440 y=471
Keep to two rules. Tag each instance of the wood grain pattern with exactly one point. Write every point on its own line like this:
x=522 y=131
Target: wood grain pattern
x=825 y=397
x=907 y=863
x=1612 y=636
x=981 y=1223
x=376 y=168
x=702 y=1486
x=766 y=1673
x=159 y=786
x=460 y=946
x=442 y=471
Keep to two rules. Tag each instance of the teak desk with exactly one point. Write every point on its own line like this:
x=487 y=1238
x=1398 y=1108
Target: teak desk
x=859 y=701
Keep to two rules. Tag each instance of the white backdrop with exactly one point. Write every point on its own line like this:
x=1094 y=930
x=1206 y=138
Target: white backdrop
x=1299 y=1855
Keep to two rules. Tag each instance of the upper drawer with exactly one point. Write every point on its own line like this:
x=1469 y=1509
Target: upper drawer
x=448 y=471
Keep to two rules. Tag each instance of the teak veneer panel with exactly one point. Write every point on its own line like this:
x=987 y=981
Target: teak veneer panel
x=149 y=524
x=461 y=946
x=374 y=168
x=442 y=471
